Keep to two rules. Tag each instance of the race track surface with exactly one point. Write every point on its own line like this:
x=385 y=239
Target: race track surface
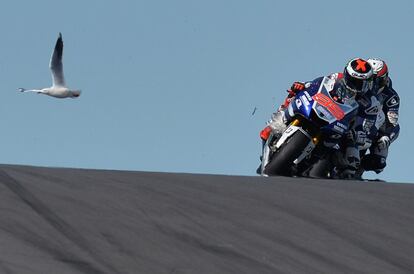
x=57 y=220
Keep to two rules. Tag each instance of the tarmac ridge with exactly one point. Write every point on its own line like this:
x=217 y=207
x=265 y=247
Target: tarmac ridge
x=62 y=220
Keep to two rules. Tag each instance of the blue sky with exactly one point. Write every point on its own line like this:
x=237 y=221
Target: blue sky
x=171 y=85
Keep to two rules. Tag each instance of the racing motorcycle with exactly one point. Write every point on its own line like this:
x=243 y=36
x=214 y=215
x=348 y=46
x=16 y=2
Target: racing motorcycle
x=316 y=120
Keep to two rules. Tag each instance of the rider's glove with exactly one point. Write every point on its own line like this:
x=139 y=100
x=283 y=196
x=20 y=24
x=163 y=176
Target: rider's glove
x=383 y=142
x=295 y=88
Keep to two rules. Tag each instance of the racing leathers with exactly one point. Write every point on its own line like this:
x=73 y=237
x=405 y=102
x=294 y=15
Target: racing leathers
x=388 y=132
x=364 y=130
x=375 y=128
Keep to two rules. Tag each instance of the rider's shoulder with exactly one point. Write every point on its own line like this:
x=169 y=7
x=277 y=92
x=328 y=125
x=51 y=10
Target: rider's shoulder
x=389 y=91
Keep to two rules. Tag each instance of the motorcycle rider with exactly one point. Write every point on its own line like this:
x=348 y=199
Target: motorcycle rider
x=389 y=131
x=345 y=162
x=356 y=79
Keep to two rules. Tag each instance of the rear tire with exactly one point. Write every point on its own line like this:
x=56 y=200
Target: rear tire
x=282 y=160
x=320 y=169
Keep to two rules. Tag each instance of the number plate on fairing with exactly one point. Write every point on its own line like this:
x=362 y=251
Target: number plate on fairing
x=326 y=108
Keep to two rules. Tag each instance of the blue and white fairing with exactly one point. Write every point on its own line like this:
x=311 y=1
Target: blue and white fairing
x=315 y=116
x=316 y=104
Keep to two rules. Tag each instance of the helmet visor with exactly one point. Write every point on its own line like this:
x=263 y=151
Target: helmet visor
x=357 y=85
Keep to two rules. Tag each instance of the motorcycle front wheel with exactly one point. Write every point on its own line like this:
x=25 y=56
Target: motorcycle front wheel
x=281 y=162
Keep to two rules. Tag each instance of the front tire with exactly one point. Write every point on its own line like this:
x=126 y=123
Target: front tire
x=282 y=160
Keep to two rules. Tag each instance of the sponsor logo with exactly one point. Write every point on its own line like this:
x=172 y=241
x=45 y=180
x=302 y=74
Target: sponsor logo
x=339 y=129
x=341 y=125
x=308 y=96
x=305 y=100
x=367 y=124
x=372 y=110
x=392 y=102
x=324 y=112
x=375 y=106
x=358 y=75
x=298 y=103
x=393 y=117
x=330 y=105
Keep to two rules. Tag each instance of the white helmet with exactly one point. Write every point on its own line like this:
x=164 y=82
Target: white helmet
x=380 y=70
x=358 y=76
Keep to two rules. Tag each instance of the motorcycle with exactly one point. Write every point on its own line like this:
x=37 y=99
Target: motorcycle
x=317 y=120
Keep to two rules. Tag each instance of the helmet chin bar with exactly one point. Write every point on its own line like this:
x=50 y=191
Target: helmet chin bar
x=355 y=91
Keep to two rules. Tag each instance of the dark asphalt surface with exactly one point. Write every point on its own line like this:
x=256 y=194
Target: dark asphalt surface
x=88 y=221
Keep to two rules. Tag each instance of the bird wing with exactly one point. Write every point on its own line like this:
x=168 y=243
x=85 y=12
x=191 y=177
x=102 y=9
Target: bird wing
x=56 y=64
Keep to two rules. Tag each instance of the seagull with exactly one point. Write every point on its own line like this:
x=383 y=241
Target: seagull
x=58 y=89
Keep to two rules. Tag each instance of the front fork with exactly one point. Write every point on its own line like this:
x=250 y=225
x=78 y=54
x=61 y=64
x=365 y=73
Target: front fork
x=294 y=126
x=315 y=139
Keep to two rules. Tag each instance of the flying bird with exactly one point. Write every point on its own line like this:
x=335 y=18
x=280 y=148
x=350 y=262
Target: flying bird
x=58 y=88
x=254 y=111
